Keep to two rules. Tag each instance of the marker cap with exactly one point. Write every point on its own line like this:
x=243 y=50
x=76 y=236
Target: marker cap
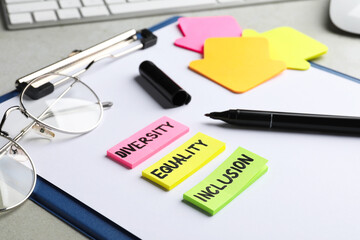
x=164 y=84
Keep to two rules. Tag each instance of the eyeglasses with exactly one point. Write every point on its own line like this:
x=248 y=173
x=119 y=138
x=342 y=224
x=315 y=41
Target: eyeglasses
x=73 y=107
x=55 y=101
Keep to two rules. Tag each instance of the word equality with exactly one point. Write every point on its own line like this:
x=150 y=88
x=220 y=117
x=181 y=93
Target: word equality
x=181 y=163
x=178 y=160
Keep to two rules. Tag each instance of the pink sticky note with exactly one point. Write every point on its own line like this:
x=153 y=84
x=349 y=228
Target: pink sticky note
x=146 y=142
x=197 y=29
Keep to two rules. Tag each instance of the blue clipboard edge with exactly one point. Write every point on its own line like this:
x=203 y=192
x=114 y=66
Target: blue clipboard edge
x=76 y=214
x=80 y=216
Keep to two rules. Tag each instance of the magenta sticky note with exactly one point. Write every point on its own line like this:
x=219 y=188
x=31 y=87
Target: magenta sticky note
x=146 y=142
x=197 y=29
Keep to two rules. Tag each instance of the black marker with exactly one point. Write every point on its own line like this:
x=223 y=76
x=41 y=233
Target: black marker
x=290 y=121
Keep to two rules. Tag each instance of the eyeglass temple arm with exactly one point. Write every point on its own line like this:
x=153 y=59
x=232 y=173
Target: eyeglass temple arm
x=105 y=105
x=20 y=135
x=27 y=128
x=49 y=114
x=6 y=114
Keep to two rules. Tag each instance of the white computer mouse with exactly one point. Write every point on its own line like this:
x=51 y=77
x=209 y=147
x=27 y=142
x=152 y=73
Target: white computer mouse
x=345 y=14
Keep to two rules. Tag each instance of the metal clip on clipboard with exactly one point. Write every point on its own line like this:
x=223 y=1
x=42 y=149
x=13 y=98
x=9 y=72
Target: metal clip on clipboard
x=85 y=58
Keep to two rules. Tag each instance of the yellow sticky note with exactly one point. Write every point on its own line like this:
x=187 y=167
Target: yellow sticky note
x=181 y=163
x=231 y=178
x=290 y=46
x=238 y=64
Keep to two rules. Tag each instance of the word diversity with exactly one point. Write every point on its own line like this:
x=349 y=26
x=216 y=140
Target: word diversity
x=146 y=142
x=232 y=177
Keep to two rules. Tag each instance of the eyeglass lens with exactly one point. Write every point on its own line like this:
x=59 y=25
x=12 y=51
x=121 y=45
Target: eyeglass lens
x=17 y=174
x=72 y=107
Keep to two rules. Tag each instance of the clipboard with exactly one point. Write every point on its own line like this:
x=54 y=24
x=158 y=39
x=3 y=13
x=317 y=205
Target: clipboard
x=86 y=220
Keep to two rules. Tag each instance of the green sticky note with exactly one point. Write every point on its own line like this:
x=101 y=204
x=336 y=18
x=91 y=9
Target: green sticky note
x=232 y=177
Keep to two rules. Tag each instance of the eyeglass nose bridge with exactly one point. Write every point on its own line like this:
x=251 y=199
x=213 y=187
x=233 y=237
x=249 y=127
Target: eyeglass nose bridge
x=6 y=114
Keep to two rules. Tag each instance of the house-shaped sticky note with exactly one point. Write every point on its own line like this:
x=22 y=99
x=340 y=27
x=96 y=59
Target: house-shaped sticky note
x=291 y=46
x=238 y=64
x=197 y=29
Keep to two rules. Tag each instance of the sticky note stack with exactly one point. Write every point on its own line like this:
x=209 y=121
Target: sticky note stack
x=242 y=63
x=231 y=178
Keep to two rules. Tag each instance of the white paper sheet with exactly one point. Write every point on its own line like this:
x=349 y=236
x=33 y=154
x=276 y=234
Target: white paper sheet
x=311 y=190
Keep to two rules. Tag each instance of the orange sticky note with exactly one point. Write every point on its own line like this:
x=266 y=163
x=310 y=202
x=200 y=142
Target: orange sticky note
x=290 y=46
x=197 y=29
x=238 y=64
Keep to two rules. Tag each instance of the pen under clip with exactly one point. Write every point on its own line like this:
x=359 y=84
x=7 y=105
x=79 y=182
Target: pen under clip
x=85 y=59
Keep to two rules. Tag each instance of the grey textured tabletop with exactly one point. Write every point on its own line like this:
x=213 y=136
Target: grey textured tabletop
x=25 y=51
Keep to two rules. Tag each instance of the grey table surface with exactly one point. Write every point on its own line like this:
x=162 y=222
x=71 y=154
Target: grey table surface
x=25 y=51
